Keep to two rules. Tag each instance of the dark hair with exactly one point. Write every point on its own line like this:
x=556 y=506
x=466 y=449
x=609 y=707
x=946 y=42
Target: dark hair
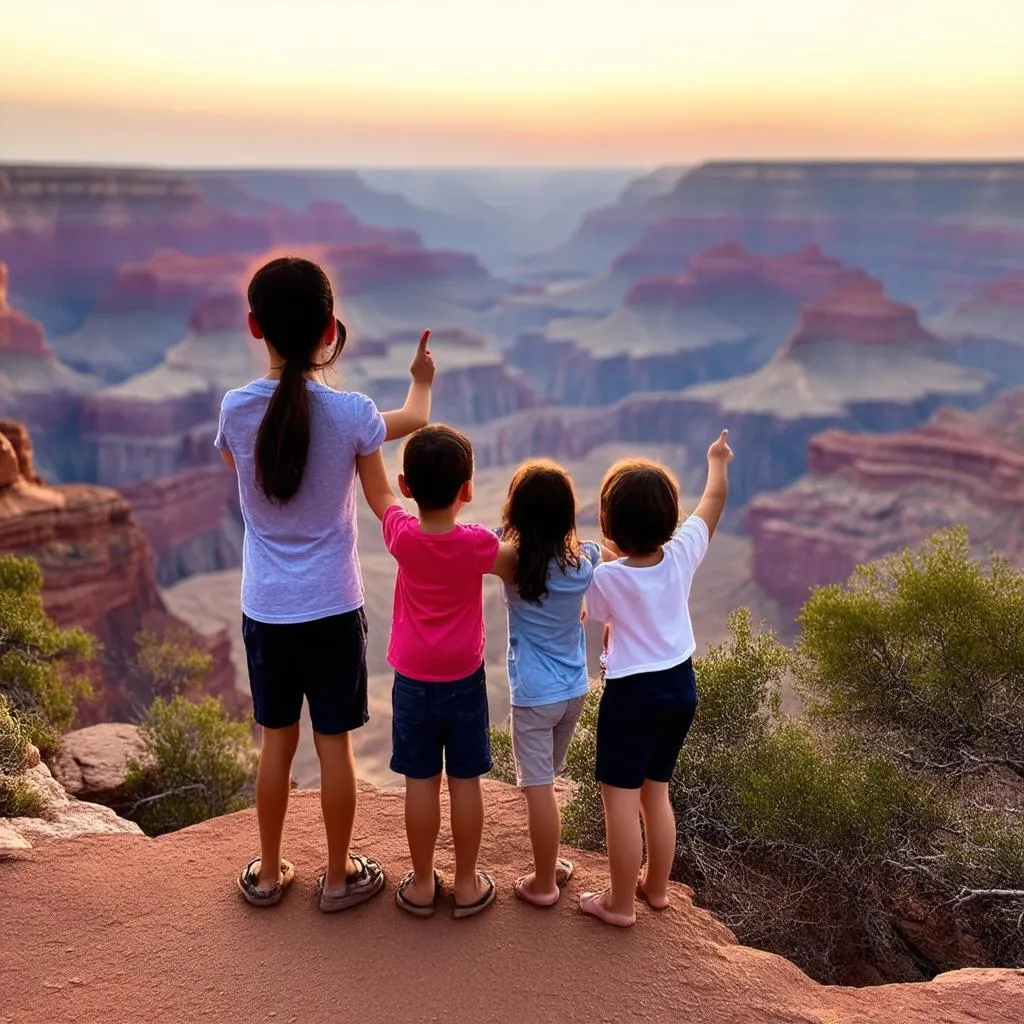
x=292 y=301
x=436 y=462
x=639 y=506
x=540 y=520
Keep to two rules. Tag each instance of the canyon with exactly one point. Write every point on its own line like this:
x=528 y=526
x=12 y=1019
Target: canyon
x=98 y=573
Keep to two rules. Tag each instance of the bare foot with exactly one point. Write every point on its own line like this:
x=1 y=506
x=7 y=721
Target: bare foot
x=528 y=890
x=657 y=901
x=596 y=904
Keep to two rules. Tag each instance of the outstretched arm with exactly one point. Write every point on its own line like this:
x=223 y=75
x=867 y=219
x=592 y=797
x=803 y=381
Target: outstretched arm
x=505 y=563
x=416 y=411
x=716 y=491
x=377 y=489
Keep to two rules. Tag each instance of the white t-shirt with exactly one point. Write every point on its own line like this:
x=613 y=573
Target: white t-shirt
x=647 y=607
x=299 y=560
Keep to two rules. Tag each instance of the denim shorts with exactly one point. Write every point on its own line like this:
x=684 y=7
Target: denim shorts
x=440 y=725
x=642 y=725
x=322 y=661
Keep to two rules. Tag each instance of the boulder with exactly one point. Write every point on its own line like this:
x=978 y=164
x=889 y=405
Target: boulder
x=92 y=761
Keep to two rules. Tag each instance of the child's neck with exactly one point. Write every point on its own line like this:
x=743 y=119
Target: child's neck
x=439 y=520
x=645 y=561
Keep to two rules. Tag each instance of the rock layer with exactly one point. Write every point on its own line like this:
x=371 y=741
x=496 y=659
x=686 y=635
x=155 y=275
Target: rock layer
x=867 y=495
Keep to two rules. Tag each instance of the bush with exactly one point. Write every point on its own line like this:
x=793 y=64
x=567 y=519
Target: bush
x=923 y=653
x=198 y=763
x=813 y=837
x=17 y=796
x=503 y=764
x=37 y=657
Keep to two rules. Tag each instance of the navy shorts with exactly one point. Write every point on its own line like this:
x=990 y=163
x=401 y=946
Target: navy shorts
x=323 y=661
x=437 y=725
x=642 y=724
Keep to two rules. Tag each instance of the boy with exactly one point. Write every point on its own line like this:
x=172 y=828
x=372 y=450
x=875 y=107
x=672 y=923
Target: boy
x=437 y=651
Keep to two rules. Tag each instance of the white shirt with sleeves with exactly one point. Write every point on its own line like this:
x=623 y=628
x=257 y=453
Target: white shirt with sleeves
x=647 y=607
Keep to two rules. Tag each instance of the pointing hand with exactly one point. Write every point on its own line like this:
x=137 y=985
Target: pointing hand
x=422 y=365
x=720 y=449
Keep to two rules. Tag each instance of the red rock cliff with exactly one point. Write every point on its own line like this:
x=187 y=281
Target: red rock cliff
x=97 y=573
x=19 y=334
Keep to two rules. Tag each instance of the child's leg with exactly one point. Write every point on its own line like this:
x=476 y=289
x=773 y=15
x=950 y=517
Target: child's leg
x=338 y=803
x=273 y=784
x=533 y=749
x=422 y=824
x=660 y=831
x=467 y=814
x=467 y=752
x=625 y=848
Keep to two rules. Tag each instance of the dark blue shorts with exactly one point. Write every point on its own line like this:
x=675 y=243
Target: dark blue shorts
x=642 y=724
x=437 y=725
x=323 y=661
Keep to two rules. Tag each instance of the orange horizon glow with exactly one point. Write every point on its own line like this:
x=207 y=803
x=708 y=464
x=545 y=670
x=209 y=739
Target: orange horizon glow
x=316 y=83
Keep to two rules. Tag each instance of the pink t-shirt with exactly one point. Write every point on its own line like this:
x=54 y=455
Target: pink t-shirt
x=437 y=629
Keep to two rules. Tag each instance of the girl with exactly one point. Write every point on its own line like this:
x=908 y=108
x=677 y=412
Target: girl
x=650 y=694
x=547 y=662
x=294 y=443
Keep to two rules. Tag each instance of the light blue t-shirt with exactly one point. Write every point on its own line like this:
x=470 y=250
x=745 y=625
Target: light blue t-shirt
x=299 y=560
x=547 y=651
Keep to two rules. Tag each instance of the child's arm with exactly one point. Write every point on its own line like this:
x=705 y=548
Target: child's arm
x=712 y=501
x=416 y=411
x=377 y=489
x=505 y=563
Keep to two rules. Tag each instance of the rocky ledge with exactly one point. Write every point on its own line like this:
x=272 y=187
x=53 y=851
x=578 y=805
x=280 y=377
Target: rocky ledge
x=196 y=943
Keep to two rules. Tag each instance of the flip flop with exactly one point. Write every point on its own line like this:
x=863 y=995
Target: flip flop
x=422 y=910
x=248 y=882
x=590 y=903
x=563 y=871
x=528 y=897
x=472 y=909
x=363 y=885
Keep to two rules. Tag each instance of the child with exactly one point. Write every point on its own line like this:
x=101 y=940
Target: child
x=650 y=693
x=294 y=443
x=547 y=659
x=437 y=652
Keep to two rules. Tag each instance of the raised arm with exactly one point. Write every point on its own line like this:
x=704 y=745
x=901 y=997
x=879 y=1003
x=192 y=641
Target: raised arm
x=716 y=491
x=377 y=489
x=505 y=563
x=416 y=411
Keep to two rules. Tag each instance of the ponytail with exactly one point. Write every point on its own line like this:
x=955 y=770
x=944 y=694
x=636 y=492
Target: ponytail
x=282 y=444
x=292 y=302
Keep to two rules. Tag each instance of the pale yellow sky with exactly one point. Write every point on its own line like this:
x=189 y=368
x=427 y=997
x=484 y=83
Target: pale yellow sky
x=532 y=82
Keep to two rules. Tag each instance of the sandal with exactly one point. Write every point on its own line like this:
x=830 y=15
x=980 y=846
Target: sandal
x=472 y=909
x=528 y=897
x=563 y=871
x=249 y=880
x=367 y=881
x=422 y=910
x=590 y=903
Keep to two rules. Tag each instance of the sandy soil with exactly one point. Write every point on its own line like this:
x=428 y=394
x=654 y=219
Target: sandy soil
x=130 y=930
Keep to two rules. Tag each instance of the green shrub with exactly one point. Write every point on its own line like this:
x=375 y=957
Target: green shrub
x=37 y=657
x=503 y=764
x=17 y=797
x=197 y=763
x=923 y=654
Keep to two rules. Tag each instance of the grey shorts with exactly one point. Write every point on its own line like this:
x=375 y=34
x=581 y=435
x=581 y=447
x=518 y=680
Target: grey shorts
x=540 y=740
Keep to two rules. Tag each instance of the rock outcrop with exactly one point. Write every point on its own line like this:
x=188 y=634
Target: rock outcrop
x=37 y=388
x=987 y=329
x=929 y=230
x=194 y=925
x=866 y=495
x=98 y=574
x=92 y=761
x=724 y=315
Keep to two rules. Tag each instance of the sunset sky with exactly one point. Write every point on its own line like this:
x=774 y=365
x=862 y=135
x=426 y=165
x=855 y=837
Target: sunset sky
x=532 y=82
